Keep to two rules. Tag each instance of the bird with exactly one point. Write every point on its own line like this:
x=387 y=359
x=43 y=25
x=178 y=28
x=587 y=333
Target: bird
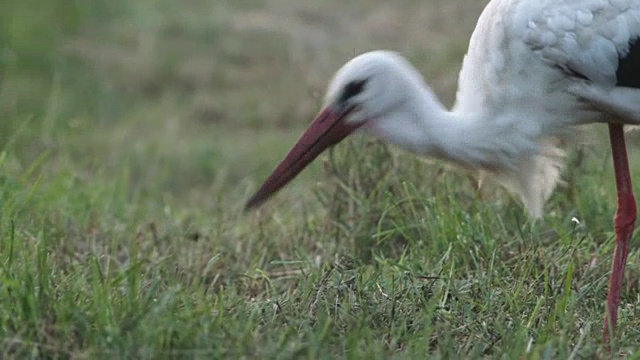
x=534 y=72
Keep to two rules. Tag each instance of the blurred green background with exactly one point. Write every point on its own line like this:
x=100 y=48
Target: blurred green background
x=190 y=95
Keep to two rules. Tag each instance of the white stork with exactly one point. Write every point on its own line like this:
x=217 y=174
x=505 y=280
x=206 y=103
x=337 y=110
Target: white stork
x=534 y=69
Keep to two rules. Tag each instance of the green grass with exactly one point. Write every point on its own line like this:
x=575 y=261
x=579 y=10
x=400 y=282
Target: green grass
x=132 y=133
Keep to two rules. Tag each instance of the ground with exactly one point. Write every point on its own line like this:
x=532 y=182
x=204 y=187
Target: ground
x=132 y=133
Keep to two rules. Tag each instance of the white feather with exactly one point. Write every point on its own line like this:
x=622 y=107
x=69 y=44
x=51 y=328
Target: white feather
x=582 y=36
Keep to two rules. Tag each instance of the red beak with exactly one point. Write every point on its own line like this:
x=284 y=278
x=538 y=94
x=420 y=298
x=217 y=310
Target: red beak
x=326 y=130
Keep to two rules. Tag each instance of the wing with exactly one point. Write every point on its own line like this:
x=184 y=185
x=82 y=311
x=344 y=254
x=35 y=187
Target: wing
x=593 y=39
x=596 y=40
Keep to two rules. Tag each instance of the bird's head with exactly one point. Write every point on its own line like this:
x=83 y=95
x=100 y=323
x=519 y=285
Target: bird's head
x=369 y=85
x=361 y=93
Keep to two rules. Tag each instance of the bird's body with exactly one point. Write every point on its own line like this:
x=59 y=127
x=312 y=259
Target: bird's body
x=534 y=70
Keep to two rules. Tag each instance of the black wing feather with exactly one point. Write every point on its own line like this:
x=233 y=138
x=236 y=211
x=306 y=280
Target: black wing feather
x=628 y=73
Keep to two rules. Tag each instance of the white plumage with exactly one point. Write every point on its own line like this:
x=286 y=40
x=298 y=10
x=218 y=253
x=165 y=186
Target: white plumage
x=534 y=70
x=518 y=73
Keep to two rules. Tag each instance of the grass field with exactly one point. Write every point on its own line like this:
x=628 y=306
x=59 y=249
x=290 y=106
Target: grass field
x=132 y=133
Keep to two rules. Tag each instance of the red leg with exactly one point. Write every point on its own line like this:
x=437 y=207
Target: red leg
x=623 y=224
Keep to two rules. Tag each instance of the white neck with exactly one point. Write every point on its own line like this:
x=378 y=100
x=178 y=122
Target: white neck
x=424 y=126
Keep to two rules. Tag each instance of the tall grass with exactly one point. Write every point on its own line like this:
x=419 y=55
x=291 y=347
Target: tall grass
x=133 y=132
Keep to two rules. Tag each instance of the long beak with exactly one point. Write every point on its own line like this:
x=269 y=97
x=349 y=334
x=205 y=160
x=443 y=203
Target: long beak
x=326 y=130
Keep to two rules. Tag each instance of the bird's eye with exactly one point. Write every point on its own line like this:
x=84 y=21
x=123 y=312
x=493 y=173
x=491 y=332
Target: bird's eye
x=352 y=89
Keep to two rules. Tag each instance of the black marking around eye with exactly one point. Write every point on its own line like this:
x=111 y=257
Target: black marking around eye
x=352 y=89
x=628 y=73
